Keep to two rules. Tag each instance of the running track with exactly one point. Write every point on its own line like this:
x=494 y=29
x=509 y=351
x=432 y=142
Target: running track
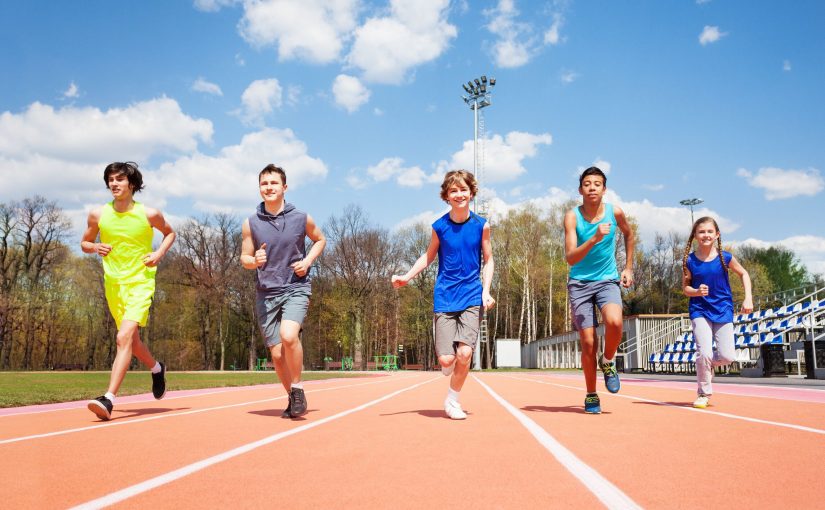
x=383 y=442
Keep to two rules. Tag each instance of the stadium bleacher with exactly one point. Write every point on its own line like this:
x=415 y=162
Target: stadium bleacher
x=785 y=325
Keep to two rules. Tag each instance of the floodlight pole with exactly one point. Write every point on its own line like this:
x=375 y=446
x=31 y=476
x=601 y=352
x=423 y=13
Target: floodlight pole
x=478 y=96
x=690 y=202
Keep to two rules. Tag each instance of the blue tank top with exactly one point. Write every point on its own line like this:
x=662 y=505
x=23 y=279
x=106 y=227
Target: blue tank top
x=284 y=234
x=600 y=262
x=458 y=284
x=717 y=306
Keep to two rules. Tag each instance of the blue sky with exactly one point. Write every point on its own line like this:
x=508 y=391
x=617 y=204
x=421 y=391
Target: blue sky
x=361 y=103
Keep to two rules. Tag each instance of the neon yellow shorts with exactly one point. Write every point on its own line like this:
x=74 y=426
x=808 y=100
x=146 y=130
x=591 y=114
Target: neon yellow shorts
x=130 y=301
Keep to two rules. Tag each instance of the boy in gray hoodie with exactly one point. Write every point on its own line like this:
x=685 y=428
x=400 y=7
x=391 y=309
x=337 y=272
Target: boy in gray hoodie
x=274 y=245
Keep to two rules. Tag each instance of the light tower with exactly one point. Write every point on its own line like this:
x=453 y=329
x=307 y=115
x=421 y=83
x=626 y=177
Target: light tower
x=690 y=202
x=479 y=95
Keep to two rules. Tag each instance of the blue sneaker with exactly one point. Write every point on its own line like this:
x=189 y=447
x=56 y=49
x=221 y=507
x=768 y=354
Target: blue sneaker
x=611 y=377
x=592 y=404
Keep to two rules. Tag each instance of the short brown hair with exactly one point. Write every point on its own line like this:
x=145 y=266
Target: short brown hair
x=272 y=169
x=455 y=176
x=129 y=169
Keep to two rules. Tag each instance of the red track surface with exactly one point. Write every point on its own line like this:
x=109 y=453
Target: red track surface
x=385 y=443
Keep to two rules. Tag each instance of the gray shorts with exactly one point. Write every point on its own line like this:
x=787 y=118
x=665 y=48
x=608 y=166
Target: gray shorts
x=291 y=305
x=452 y=328
x=585 y=297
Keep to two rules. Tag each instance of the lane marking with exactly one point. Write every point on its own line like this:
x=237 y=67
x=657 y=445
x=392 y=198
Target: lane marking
x=603 y=489
x=179 y=473
x=127 y=421
x=803 y=428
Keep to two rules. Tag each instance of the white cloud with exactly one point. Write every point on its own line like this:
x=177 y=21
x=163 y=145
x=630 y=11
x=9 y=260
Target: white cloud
x=356 y=181
x=516 y=42
x=349 y=92
x=410 y=177
x=312 y=30
x=201 y=85
x=228 y=181
x=259 y=99
x=89 y=135
x=240 y=60
x=293 y=94
x=654 y=187
x=415 y=32
x=779 y=183
x=377 y=111
x=700 y=2
x=599 y=163
x=786 y=65
x=568 y=76
x=710 y=34
x=503 y=156
x=213 y=5
x=551 y=36
x=809 y=249
x=72 y=92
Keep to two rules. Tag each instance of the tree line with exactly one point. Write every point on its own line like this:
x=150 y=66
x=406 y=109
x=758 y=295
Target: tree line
x=53 y=311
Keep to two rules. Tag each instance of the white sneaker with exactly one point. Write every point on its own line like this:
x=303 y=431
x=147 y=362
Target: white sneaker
x=701 y=402
x=454 y=410
x=448 y=370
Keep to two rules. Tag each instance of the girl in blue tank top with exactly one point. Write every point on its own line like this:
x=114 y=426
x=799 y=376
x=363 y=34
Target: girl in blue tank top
x=706 y=283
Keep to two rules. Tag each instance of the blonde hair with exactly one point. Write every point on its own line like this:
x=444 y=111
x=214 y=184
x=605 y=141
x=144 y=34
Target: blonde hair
x=456 y=176
x=703 y=219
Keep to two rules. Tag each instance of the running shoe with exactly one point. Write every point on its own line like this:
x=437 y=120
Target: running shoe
x=611 y=377
x=102 y=407
x=159 y=383
x=454 y=410
x=298 y=406
x=592 y=404
x=701 y=402
x=286 y=414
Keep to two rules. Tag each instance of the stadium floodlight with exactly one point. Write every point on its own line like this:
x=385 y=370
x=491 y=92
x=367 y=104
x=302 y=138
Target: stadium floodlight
x=690 y=202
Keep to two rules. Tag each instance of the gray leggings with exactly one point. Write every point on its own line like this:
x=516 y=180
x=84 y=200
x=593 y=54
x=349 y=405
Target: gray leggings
x=704 y=333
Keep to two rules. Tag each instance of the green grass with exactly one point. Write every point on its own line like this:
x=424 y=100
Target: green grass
x=29 y=388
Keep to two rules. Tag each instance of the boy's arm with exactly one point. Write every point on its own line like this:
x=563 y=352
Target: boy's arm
x=736 y=267
x=157 y=221
x=488 y=268
x=574 y=254
x=319 y=242
x=423 y=261
x=629 y=245
x=250 y=258
x=87 y=241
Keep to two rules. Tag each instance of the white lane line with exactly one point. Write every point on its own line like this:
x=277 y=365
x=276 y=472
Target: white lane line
x=609 y=494
x=803 y=428
x=179 y=473
x=127 y=421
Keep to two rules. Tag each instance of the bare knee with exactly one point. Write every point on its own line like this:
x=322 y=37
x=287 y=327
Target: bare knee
x=289 y=341
x=277 y=353
x=446 y=360
x=464 y=354
x=124 y=339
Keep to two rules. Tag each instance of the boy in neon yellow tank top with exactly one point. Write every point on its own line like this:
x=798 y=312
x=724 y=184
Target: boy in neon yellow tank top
x=589 y=246
x=129 y=265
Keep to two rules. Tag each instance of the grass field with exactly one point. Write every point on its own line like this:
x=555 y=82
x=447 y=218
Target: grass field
x=29 y=388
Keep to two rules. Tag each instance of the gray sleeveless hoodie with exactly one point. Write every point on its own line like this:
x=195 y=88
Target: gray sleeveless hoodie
x=284 y=235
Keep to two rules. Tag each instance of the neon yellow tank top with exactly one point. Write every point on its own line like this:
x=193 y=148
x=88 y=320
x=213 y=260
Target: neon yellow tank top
x=130 y=235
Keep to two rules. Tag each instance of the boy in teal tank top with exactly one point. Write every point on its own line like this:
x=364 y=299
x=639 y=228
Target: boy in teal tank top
x=129 y=265
x=589 y=242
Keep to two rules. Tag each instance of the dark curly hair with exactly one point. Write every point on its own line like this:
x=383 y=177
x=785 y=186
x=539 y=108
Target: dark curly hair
x=129 y=169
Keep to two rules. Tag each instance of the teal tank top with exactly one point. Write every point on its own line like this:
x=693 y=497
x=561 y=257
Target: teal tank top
x=600 y=262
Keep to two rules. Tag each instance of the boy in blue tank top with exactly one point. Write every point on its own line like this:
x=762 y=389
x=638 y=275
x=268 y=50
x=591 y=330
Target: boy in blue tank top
x=589 y=245
x=705 y=281
x=461 y=239
x=273 y=245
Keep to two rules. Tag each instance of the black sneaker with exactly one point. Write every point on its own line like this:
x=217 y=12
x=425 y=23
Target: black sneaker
x=298 y=404
x=286 y=414
x=102 y=407
x=159 y=383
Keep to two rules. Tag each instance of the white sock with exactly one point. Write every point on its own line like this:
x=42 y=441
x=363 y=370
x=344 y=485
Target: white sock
x=111 y=397
x=605 y=360
x=453 y=395
x=156 y=368
x=299 y=385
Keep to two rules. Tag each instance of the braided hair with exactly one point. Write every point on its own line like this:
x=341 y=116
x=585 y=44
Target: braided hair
x=703 y=219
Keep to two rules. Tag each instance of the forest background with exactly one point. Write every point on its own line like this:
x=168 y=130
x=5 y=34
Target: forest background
x=53 y=311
